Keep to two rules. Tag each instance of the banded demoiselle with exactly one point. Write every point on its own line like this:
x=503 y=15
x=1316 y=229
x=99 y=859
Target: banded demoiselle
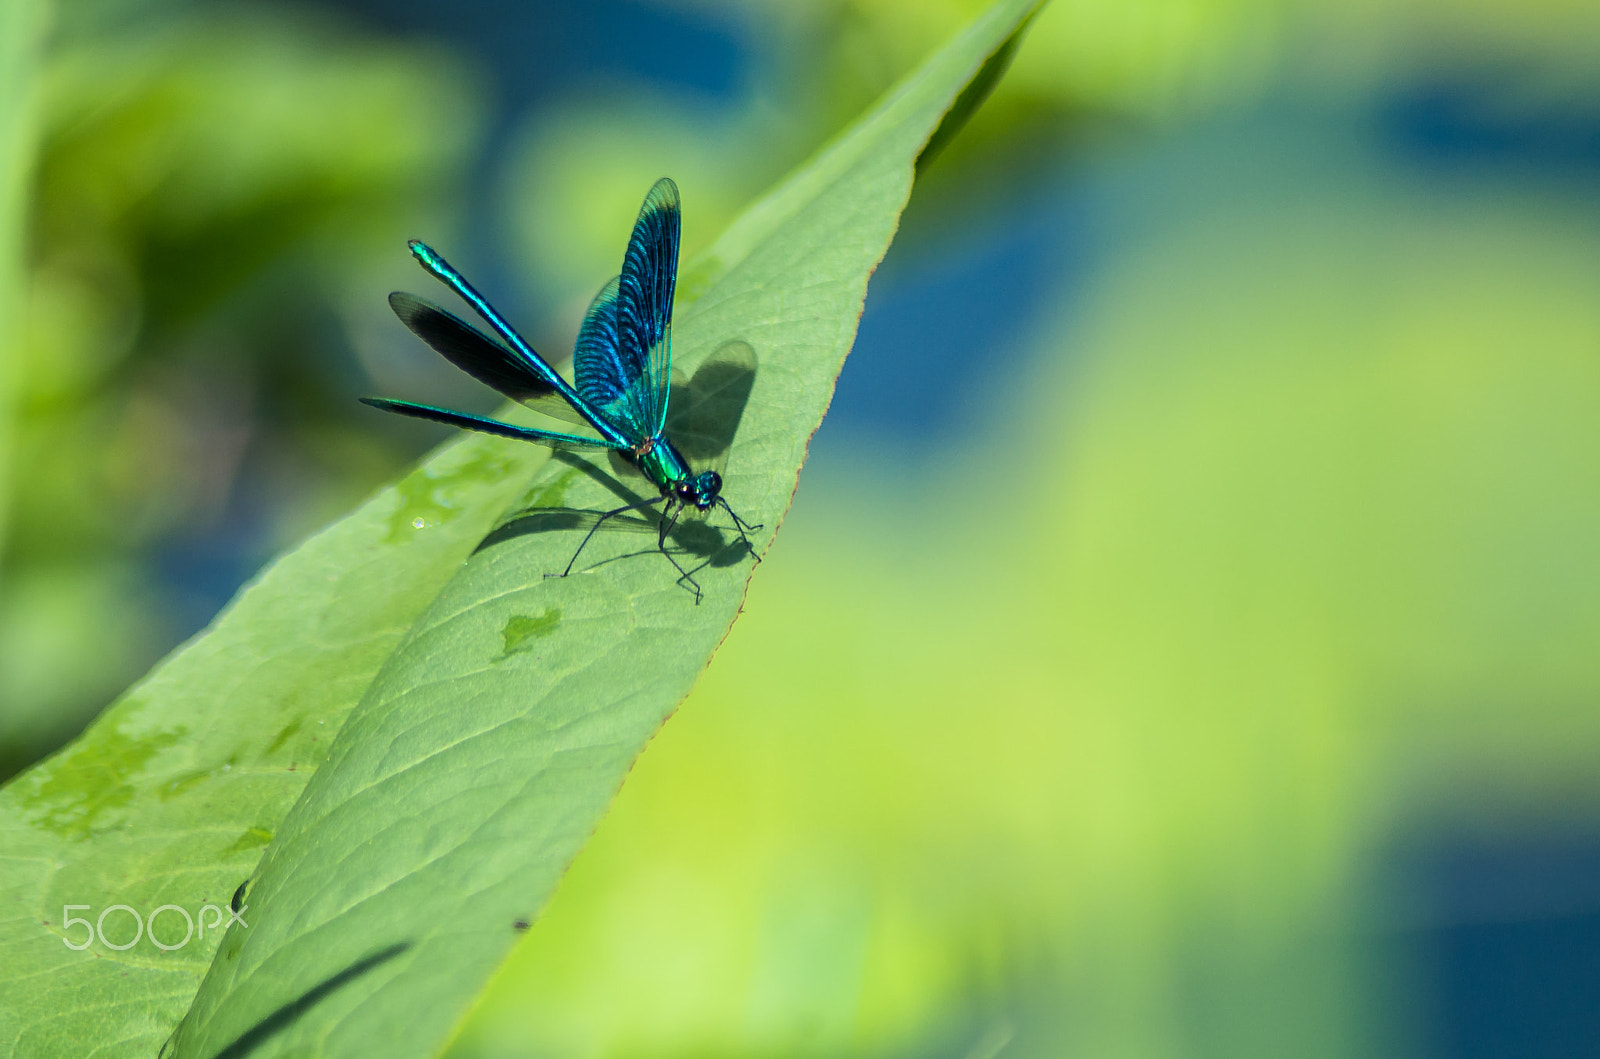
x=622 y=370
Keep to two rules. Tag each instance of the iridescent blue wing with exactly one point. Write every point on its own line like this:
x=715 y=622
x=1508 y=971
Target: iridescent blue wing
x=555 y=439
x=625 y=366
x=481 y=356
x=601 y=377
x=644 y=297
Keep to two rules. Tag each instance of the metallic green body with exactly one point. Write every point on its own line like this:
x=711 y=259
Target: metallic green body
x=664 y=465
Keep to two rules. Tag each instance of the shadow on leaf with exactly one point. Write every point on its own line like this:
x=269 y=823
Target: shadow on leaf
x=280 y=1019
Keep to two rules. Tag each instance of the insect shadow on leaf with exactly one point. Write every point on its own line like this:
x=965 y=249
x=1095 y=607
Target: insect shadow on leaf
x=704 y=416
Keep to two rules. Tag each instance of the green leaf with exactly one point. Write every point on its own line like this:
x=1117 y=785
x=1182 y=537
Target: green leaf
x=172 y=793
x=499 y=709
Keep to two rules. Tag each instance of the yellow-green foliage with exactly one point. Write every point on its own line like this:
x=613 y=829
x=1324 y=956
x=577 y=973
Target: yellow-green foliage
x=1166 y=58
x=1296 y=557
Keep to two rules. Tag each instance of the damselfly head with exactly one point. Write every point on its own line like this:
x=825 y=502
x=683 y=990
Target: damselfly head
x=702 y=490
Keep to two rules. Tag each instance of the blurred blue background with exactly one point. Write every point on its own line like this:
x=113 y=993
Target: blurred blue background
x=1184 y=640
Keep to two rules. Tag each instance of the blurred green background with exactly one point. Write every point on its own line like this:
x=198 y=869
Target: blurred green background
x=1186 y=640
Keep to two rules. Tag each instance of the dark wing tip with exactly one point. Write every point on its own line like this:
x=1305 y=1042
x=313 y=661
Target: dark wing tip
x=418 y=314
x=415 y=312
x=378 y=402
x=663 y=195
